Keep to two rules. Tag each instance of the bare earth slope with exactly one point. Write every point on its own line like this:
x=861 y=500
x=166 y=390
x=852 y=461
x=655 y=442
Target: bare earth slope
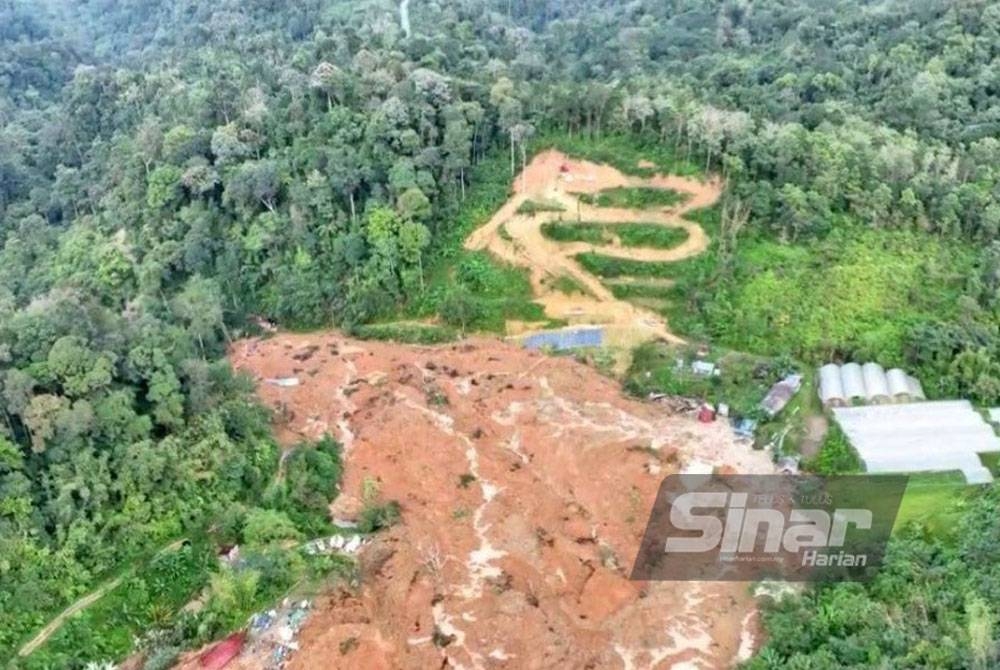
x=554 y=177
x=525 y=482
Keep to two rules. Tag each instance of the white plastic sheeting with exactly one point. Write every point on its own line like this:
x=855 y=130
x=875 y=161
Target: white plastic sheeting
x=852 y=381
x=870 y=383
x=831 y=391
x=899 y=384
x=876 y=384
x=920 y=437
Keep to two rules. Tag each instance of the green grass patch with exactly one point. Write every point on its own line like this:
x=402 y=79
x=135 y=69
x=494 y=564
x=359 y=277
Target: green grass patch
x=836 y=455
x=934 y=500
x=992 y=462
x=407 y=333
x=650 y=235
x=591 y=233
x=855 y=293
x=608 y=267
x=568 y=285
x=646 y=235
x=623 y=151
x=635 y=290
x=628 y=197
x=742 y=383
x=532 y=207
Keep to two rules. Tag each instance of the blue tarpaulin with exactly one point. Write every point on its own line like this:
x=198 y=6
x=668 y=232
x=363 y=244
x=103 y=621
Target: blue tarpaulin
x=566 y=339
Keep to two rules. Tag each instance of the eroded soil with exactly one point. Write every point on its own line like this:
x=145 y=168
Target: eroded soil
x=525 y=482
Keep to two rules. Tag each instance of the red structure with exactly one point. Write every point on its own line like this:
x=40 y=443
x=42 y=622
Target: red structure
x=706 y=414
x=221 y=654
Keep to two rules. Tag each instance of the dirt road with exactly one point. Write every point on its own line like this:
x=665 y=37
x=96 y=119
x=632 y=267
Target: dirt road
x=80 y=605
x=553 y=177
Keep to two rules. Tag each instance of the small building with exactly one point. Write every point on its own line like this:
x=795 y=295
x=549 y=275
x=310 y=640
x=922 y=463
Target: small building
x=704 y=368
x=780 y=394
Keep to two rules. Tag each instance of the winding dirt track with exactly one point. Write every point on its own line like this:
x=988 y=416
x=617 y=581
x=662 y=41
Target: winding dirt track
x=552 y=176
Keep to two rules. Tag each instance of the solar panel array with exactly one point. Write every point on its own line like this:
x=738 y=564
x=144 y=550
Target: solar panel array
x=561 y=340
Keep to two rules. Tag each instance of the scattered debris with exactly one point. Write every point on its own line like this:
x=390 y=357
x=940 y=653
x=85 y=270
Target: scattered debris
x=345 y=544
x=284 y=382
x=705 y=369
x=706 y=414
x=675 y=403
x=274 y=634
x=266 y=325
x=697 y=467
x=780 y=394
x=745 y=428
x=788 y=465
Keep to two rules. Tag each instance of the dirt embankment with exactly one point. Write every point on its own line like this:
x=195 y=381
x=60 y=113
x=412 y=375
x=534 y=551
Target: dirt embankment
x=554 y=177
x=525 y=483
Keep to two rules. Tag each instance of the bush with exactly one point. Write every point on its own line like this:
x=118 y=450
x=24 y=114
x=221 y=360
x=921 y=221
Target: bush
x=634 y=198
x=267 y=526
x=379 y=517
x=836 y=456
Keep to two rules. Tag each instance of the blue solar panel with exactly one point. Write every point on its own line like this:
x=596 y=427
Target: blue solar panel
x=566 y=339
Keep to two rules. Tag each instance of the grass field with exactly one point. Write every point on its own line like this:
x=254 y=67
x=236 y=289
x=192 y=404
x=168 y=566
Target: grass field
x=648 y=235
x=934 y=501
x=624 y=152
x=633 y=198
x=532 y=207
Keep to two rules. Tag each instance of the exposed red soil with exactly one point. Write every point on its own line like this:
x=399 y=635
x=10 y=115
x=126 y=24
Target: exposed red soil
x=526 y=566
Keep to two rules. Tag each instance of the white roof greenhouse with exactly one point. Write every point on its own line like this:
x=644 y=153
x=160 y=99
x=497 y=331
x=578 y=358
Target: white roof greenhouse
x=920 y=437
x=869 y=383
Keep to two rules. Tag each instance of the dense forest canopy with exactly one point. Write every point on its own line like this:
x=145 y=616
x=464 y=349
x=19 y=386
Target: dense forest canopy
x=169 y=170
